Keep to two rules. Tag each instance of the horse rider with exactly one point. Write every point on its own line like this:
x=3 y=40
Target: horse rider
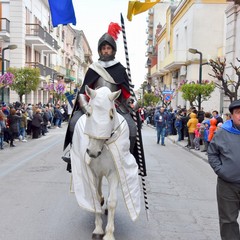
x=110 y=73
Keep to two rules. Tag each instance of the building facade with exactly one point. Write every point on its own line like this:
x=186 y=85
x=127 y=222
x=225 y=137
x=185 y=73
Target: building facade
x=62 y=54
x=200 y=25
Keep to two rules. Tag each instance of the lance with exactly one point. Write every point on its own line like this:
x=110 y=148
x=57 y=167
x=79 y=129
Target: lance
x=140 y=151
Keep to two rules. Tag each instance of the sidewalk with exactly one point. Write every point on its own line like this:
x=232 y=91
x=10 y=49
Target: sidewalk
x=19 y=143
x=183 y=143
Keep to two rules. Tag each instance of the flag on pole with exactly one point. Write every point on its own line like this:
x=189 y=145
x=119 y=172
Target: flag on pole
x=62 y=12
x=136 y=7
x=71 y=97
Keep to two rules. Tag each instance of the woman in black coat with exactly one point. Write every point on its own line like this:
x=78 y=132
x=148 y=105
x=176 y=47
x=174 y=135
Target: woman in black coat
x=37 y=124
x=13 y=123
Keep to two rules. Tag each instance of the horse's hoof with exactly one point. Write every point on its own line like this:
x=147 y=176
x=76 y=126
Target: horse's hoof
x=106 y=212
x=96 y=236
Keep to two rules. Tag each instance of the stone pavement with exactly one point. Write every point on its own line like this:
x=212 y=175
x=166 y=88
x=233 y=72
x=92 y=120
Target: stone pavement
x=183 y=143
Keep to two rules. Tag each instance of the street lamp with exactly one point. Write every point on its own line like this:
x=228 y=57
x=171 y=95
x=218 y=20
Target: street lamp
x=195 y=51
x=10 y=47
x=53 y=74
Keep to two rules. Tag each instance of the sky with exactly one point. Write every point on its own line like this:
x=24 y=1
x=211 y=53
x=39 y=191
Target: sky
x=94 y=17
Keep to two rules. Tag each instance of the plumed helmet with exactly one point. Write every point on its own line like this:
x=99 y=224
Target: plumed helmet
x=109 y=38
x=233 y=105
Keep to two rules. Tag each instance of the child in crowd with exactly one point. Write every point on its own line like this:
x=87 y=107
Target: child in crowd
x=196 y=140
x=212 y=129
x=178 y=125
x=205 y=134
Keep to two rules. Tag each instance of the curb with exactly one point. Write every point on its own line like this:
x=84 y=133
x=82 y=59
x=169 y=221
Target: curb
x=195 y=153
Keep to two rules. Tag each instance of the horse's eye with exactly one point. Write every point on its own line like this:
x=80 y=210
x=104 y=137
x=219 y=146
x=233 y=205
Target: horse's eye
x=111 y=113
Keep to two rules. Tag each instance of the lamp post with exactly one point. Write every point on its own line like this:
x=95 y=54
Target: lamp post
x=10 y=47
x=53 y=74
x=195 y=51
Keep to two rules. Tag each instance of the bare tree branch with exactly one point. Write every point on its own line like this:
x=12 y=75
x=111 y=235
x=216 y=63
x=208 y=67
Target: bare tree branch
x=225 y=84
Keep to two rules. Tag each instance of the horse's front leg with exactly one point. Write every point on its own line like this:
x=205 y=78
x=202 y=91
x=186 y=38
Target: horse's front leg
x=112 y=204
x=98 y=232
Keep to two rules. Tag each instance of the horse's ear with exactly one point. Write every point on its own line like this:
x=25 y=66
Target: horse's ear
x=90 y=92
x=114 y=95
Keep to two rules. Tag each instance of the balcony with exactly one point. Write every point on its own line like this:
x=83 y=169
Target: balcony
x=61 y=70
x=41 y=39
x=5 y=29
x=69 y=76
x=148 y=63
x=148 y=76
x=150 y=37
x=6 y=65
x=150 y=11
x=150 y=49
x=150 y=24
x=174 y=60
x=44 y=70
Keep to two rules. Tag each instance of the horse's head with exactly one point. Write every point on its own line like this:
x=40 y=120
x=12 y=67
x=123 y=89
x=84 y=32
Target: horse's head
x=101 y=118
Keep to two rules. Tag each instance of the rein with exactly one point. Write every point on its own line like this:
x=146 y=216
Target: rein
x=115 y=130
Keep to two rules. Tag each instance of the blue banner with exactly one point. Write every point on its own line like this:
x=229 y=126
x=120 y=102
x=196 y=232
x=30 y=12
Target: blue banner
x=62 y=12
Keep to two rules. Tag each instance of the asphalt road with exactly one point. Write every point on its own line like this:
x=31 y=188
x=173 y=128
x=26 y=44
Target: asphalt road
x=36 y=202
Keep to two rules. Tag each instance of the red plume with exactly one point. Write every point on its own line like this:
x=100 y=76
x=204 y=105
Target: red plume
x=113 y=30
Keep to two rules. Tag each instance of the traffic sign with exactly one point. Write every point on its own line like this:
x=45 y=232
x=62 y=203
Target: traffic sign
x=167 y=97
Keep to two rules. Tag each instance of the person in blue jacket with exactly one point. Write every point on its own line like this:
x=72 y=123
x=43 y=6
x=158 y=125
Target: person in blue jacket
x=160 y=119
x=223 y=156
x=178 y=126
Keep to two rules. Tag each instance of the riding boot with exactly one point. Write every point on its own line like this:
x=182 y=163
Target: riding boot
x=68 y=161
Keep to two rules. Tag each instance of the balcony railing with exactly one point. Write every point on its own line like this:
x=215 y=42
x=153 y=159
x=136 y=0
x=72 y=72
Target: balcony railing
x=69 y=76
x=5 y=29
x=4 y=25
x=6 y=65
x=37 y=31
x=44 y=70
x=60 y=69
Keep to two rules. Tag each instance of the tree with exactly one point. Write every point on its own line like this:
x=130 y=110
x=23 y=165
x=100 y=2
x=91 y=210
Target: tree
x=229 y=86
x=191 y=91
x=26 y=79
x=150 y=99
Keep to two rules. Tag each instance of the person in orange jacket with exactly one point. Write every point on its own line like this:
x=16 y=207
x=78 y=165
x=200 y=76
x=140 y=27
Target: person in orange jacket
x=212 y=129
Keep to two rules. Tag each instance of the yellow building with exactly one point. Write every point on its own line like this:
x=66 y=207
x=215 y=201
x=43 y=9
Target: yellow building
x=189 y=24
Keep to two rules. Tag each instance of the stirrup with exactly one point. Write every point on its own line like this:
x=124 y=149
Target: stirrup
x=66 y=159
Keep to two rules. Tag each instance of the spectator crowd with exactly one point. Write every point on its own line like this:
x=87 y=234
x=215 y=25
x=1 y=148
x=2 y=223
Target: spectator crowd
x=19 y=122
x=198 y=127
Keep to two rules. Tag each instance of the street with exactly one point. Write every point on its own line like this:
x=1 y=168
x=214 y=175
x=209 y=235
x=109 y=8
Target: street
x=36 y=202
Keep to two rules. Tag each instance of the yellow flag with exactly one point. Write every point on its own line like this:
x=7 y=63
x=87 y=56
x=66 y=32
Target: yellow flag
x=136 y=7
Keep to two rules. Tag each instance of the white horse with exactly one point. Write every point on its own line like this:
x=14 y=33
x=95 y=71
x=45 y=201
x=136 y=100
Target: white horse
x=100 y=148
